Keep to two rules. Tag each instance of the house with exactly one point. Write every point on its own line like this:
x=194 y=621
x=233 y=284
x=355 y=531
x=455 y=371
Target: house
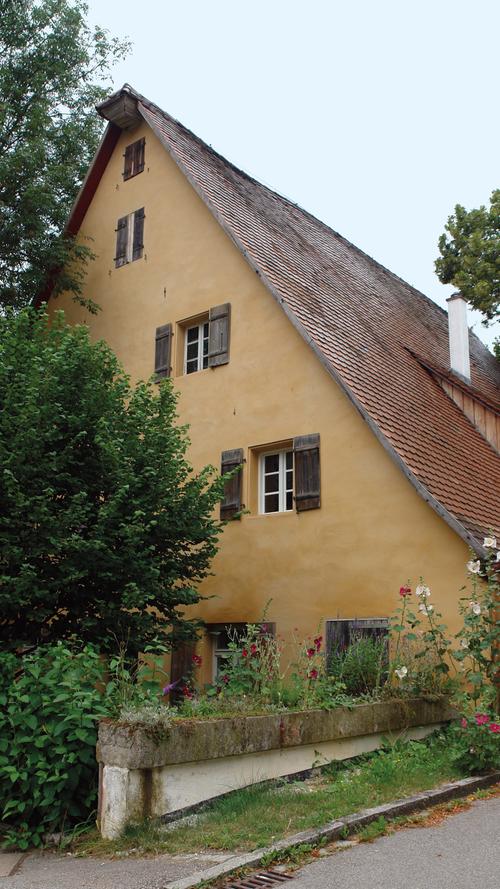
x=366 y=458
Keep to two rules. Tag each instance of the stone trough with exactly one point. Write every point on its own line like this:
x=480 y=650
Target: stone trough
x=145 y=773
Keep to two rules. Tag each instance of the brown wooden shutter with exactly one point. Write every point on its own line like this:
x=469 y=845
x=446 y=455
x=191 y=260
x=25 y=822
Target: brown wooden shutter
x=138 y=244
x=232 y=489
x=218 y=335
x=139 y=156
x=129 y=160
x=307 y=473
x=163 y=348
x=121 y=241
x=181 y=668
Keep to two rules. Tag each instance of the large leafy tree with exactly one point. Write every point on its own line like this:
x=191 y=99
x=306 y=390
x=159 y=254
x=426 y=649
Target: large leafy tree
x=105 y=530
x=53 y=70
x=470 y=256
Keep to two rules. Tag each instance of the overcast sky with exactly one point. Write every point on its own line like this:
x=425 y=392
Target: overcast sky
x=378 y=116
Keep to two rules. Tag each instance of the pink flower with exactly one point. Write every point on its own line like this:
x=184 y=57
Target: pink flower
x=225 y=679
x=494 y=727
x=311 y=652
x=244 y=653
x=463 y=722
x=317 y=642
x=186 y=691
x=197 y=660
x=253 y=649
x=313 y=674
x=482 y=719
x=404 y=591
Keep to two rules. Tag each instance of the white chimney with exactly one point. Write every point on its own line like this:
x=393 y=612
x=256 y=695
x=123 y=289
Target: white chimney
x=459 y=335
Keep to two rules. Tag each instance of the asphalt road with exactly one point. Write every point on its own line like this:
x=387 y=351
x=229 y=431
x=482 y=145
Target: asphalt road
x=463 y=852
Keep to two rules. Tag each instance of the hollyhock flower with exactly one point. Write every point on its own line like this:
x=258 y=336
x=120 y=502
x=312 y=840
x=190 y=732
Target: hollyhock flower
x=317 y=642
x=311 y=652
x=197 y=660
x=253 y=649
x=494 y=727
x=475 y=607
x=463 y=722
x=481 y=719
x=186 y=691
x=464 y=643
x=422 y=591
x=425 y=607
x=404 y=591
x=313 y=674
x=490 y=542
x=225 y=679
x=401 y=672
x=244 y=653
x=498 y=556
x=474 y=566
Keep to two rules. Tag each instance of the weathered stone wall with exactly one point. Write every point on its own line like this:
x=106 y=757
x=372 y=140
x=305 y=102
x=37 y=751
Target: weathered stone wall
x=145 y=773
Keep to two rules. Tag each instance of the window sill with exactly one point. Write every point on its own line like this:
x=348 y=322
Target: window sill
x=270 y=515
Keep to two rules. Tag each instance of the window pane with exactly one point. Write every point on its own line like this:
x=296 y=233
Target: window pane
x=191 y=366
x=289 y=480
x=271 y=503
x=192 y=335
x=289 y=460
x=271 y=483
x=205 y=332
x=289 y=500
x=192 y=351
x=272 y=463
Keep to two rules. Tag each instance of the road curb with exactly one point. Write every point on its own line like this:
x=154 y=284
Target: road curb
x=342 y=827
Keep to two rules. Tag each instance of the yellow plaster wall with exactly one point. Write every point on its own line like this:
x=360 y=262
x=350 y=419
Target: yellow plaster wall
x=373 y=530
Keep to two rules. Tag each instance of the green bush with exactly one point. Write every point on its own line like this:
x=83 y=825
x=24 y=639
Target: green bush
x=362 y=667
x=476 y=743
x=50 y=702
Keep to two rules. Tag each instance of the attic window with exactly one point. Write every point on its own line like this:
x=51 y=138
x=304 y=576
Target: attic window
x=134 y=159
x=129 y=238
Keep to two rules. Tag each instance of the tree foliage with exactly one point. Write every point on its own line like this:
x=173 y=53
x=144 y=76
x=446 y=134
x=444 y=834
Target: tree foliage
x=105 y=530
x=53 y=70
x=470 y=256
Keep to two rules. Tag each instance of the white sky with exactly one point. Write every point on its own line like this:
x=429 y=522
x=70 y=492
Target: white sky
x=378 y=116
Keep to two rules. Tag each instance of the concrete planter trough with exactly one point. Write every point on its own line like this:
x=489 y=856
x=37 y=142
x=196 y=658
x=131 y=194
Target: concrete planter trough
x=146 y=774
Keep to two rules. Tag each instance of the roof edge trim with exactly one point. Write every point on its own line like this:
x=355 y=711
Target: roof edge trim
x=448 y=517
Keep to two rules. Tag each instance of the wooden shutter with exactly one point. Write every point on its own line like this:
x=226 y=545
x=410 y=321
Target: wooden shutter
x=163 y=348
x=218 y=335
x=307 y=472
x=181 y=668
x=121 y=241
x=129 y=161
x=138 y=244
x=139 y=156
x=232 y=489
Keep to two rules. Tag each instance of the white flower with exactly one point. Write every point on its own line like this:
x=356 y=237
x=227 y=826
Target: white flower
x=464 y=643
x=475 y=607
x=401 y=672
x=423 y=591
x=498 y=556
x=490 y=542
x=474 y=567
x=425 y=607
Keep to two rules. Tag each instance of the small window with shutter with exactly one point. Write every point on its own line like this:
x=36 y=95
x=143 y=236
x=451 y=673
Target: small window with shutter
x=129 y=238
x=134 y=159
x=289 y=475
x=206 y=340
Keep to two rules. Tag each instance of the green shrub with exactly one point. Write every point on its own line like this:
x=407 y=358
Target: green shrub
x=476 y=743
x=50 y=702
x=362 y=667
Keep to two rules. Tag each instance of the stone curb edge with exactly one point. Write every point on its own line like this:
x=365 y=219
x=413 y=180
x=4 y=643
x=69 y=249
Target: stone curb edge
x=335 y=829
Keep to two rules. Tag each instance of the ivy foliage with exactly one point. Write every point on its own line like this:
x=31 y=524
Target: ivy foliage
x=470 y=256
x=53 y=70
x=105 y=530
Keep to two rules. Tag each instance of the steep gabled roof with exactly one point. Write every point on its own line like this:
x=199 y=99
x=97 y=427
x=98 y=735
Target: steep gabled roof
x=372 y=332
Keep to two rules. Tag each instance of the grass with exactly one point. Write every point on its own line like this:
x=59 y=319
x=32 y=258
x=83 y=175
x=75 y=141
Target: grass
x=258 y=816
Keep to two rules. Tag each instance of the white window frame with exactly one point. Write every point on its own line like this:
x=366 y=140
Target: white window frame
x=201 y=341
x=282 y=489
